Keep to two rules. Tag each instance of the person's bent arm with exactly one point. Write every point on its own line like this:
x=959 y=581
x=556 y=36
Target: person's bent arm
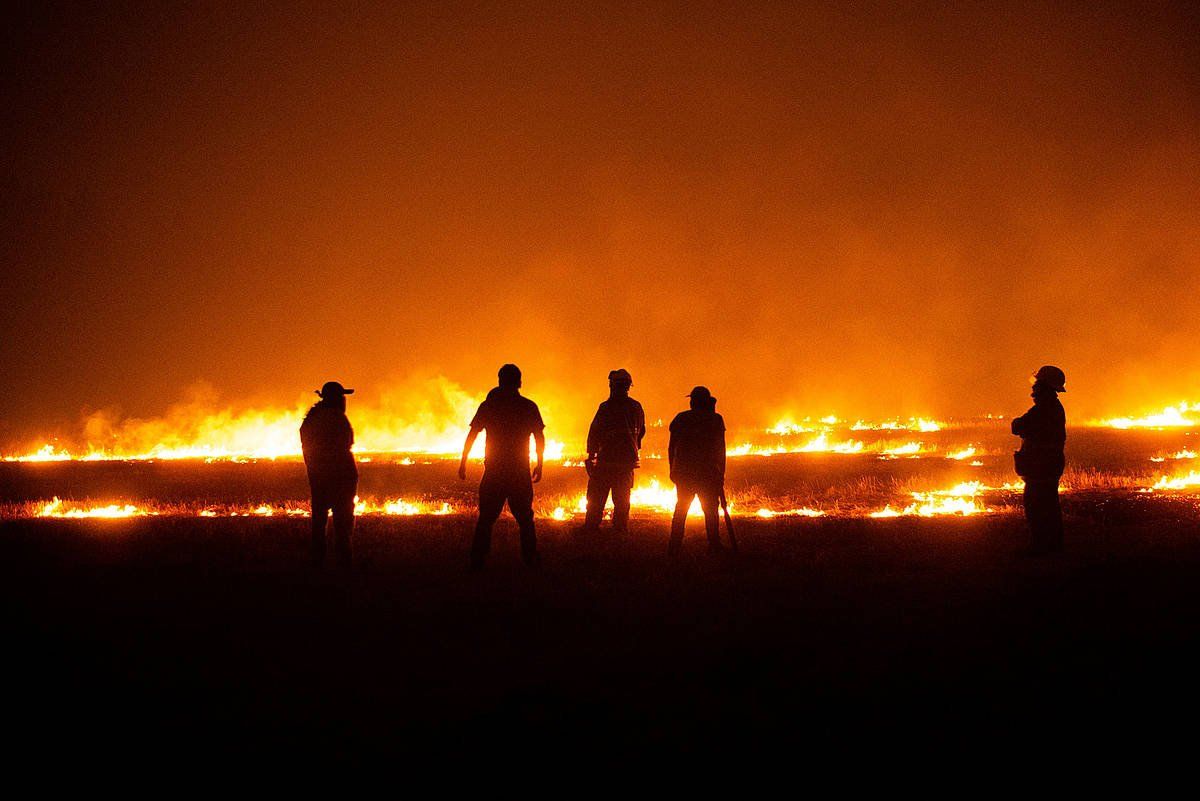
x=470 y=443
x=1018 y=426
x=539 y=443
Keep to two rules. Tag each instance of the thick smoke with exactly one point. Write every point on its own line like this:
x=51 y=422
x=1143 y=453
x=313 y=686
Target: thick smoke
x=866 y=211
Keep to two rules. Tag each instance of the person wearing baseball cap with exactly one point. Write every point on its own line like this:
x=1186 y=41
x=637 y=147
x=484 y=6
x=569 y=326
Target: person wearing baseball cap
x=326 y=438
x=1041 y=459
x=696 y=453
x=613 y=442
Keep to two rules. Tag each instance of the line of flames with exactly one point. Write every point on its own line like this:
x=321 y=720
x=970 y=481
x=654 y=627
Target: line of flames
x=1181 y=415
x=963 y=499
x=822 y=443
x=554 y=452
x=1178 y=455
x=653 y=496
x=430 y=419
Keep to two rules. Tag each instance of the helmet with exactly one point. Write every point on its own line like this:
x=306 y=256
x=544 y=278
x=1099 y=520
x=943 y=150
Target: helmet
x=620 y=376
x=1052 y=377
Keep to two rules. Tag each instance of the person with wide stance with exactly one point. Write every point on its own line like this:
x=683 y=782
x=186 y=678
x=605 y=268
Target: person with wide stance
x=509 y=419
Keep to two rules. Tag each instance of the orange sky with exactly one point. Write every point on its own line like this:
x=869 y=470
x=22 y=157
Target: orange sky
x=872 y=211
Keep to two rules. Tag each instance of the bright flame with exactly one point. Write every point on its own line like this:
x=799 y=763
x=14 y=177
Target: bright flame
x=1176 y=416
x=46 y=453
x=1189 y=481
x=430 y=418
x=908 y=449
x=1183 y=454
x=56 y=508
x=911 y=424
x=958 y=500
x=786 y=427
x=803 y=511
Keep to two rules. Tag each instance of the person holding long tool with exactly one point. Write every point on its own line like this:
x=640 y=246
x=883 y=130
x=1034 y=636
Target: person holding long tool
x=697 y=458
x=613 y=442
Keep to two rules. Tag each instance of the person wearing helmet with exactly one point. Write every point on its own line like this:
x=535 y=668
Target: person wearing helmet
x=1040 y=461
x=696 y=453
x=326 y=438
x=613 y=442
x=509 y=419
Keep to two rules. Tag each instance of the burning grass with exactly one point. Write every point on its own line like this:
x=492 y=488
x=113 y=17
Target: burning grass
x=930 y=474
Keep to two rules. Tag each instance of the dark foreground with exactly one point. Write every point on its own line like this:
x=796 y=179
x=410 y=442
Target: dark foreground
x=211 y=642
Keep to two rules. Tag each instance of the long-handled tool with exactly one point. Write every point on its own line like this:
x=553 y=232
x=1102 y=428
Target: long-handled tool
x=728 y=522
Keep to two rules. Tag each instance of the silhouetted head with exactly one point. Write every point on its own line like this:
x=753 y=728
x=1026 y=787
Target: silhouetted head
x=334 y=394
x=702 y=399
x=509 y=377
x=1049 y=379
x=619 y=381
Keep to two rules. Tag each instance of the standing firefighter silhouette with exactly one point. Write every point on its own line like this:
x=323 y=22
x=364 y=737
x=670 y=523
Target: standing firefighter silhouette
x=509 y=420
x=326 y=438
x=697 y=458
x=613 y=442
x=1043 y=433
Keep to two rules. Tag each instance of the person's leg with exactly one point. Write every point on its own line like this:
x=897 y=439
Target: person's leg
x=1029 y=502
x=343 y=523
x=683 y=499
x=1036 y=514
x=710 y=504
x=622 y=488
x=491 y=503
x=320 y=519
x=520 y=503
x=1054 y=511
x=597 y=496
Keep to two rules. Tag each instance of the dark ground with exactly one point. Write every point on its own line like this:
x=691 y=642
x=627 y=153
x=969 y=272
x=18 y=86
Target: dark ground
x=184 y=640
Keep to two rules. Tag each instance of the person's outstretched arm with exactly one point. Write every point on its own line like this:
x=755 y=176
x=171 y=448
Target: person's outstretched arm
x=462 y=465
x=539 y=444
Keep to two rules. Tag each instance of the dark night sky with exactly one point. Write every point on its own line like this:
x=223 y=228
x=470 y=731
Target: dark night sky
x=845 y=207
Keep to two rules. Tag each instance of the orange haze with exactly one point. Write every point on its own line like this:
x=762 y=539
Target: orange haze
x=862 y=209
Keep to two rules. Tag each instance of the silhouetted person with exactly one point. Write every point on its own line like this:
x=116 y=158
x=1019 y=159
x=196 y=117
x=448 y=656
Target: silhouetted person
x=509 y=420
x=697 y=458
x=326 y=438
x=1043 y=433
x=613 y=442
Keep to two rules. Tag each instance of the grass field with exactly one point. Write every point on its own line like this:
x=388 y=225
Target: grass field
x=210 y=640
x=183 y=639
